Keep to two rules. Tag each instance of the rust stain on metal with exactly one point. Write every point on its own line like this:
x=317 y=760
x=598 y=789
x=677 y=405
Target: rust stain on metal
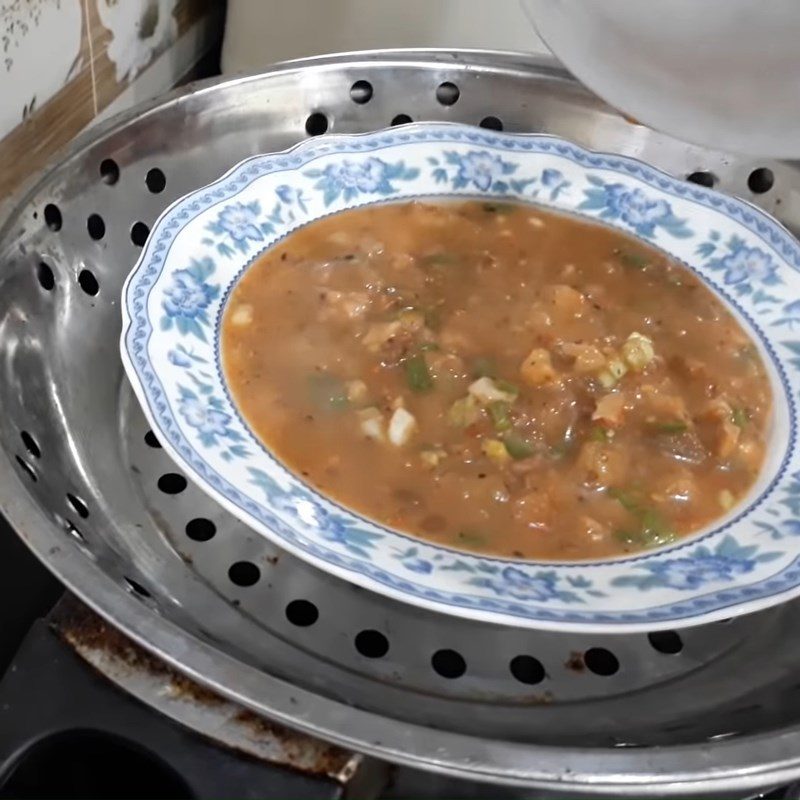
x=331 y=760
x=272 y=560
x=89 y=633
x=186 y=689
x=85 y=630
x=539 y=699
x=575 y=662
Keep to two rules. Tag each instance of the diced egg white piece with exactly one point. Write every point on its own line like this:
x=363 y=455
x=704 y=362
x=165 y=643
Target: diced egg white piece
x=614 y=370
x=401 y=427
x=432 y=458
x=242 y=315
x=726 y=499
x=379 y=333
x=372 y=424
x=486 y=391
x=343 y=238
x=638 y=351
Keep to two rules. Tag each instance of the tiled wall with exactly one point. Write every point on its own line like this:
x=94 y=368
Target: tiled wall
x=63 y=63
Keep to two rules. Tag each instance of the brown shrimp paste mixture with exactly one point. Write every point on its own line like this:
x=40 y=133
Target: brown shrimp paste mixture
x=498 y=378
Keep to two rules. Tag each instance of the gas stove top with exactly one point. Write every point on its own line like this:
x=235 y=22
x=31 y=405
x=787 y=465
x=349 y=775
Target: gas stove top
x=87 y=713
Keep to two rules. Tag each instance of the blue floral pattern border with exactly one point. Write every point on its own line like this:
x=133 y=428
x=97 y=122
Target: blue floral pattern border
x=176 y=290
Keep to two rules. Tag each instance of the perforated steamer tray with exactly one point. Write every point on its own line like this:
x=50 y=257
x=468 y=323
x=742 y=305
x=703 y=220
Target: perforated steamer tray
x=714 y=709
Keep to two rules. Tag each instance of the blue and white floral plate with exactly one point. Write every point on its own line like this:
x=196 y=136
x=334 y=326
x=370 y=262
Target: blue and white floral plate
x=173 y=302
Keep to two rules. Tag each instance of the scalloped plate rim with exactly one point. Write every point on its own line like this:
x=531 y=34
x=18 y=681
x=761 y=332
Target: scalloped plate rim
x=478 y=137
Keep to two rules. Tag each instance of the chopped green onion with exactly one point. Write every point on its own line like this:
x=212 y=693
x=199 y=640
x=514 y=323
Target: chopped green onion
x=644 y=539
x=632 y=259
x=653 y=531
x=625 y=499
x=499 y=208
x=598 y=434
x=484 y=368
x=740 y=417
x=518 y=448
x=418 y=377
x=499 y=414
x=506 y=386
x=441 y=260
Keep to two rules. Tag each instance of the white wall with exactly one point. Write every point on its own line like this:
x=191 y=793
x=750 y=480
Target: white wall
x=260 y=32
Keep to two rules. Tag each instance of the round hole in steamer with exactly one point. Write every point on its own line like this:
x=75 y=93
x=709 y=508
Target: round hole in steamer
x=139 y=233
x=44 y=274
x=371 y=644
x=760 y=180
x=527 y=669
x=172 y=483
x=151 y=440
x=361 y=92
x=31 y=445
x=244 y=573
x=52 y=217
x=492 y=123
x=78 y=505
x=27 y=468
x=88 y=282
x=316 y=124
x=96 y=227
x=302 y=613
x=448 y=663
x=667 y=642
x=109 y=171
x=401 y=119
x=155 y=180
x=200 y=529
x=136 y=587
x=447 y=93
x=601 y=661
x=702 y=178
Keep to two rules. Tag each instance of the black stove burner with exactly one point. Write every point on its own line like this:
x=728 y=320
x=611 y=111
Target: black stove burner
x=66 y=732
x=89 y=764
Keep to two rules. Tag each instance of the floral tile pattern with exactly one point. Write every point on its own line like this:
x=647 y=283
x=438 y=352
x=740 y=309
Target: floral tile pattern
x=174 y=298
